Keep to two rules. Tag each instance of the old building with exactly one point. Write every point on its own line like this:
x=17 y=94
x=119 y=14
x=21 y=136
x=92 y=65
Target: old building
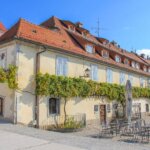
x=63 y=48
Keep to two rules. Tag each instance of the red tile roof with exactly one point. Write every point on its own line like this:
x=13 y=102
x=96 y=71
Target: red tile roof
x=61 y=37
x=2 y=27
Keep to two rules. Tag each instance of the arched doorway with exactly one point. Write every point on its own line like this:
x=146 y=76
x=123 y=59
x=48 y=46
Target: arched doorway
x=1 y=106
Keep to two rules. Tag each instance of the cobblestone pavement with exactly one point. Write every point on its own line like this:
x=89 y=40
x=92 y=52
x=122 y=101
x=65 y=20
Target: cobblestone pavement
x=71 y=139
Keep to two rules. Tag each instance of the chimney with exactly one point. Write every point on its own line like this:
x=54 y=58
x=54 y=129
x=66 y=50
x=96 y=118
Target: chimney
x=79 y=24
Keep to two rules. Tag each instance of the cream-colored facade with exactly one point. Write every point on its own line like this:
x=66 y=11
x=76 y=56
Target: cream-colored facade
x=19 y=105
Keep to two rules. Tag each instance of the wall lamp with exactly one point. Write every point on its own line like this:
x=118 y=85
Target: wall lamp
x=87 y=73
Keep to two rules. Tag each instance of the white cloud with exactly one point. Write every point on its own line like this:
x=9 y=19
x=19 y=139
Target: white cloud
x=144 y=51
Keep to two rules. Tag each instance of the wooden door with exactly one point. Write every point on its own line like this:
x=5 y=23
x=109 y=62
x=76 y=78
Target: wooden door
x=103 y=114
x=1 y=106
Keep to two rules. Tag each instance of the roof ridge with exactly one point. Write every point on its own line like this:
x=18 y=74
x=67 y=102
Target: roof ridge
x=19 y=27
x=10 y=33
x=143 y=59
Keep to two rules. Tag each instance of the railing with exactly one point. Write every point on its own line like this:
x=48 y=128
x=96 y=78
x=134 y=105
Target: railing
x=55 y=121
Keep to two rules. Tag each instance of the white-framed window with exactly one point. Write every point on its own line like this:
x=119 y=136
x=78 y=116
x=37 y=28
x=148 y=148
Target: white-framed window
x=117 y=58
x=61 y=66
x=109 y=75
x=130 y=77
x=72 y=28
x=96 y=108
x=94 y=72
x=137 y=66
x=141 y=82
x=133 y=64
x=149 y=69
x=89 y=48
x=148 y=82
x=145 y=69
x=84 y=34
x=122 y=78
x=105 y=54
x=126 y=61
x=54 y=106
x=3 y=59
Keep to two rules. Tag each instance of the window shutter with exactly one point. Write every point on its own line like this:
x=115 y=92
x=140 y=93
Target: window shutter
x=107 y=75
x=96 y=73
x=111 y=76
x=58 y=66
x=65 y=67
x=122 y=78
x=92 y=72
x=58 y=106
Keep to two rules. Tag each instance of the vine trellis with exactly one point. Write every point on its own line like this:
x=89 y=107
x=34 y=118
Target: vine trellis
x=9 y=76
x=67 y=87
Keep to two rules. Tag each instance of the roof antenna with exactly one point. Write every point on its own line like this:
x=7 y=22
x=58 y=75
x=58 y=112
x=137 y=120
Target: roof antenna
x=133 y=50
x=98 y=28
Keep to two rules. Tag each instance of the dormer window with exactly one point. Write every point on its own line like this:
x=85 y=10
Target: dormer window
x=71 y=28
x=145 y=69
x=133 y=64
x=89 y=48
x=137 y=66
x=126 y=61
x=117 y=58
x=105 y=54
x=84 y=34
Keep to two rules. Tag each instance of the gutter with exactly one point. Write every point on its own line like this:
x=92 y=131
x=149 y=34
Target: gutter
x=36 y=96
x=80 y=55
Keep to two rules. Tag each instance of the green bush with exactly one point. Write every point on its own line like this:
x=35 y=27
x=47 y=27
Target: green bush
x=72 y=124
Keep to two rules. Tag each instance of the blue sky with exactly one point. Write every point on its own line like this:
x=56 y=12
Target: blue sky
x=125 y=21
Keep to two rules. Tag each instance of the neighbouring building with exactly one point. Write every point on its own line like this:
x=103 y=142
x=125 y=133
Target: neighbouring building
x=2 y=29
x=63 y=48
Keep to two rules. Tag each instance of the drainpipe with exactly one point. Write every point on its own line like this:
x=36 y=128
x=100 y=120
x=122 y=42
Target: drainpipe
x=36 y=96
